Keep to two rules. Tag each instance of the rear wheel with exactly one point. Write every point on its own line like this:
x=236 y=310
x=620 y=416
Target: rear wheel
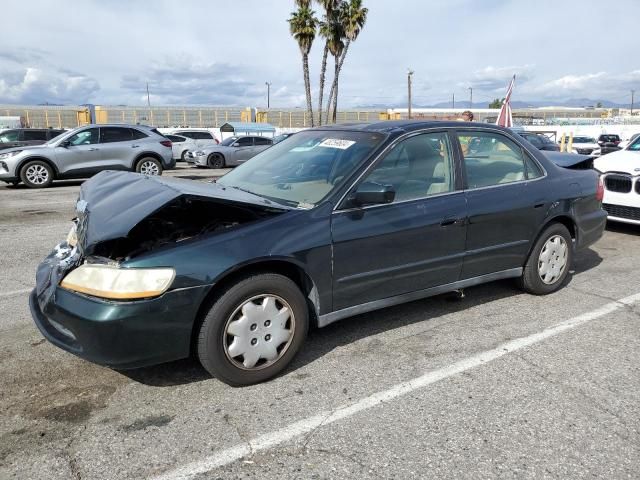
x=149 y=166
x=549 y=262
x=36 y=174
x=216 y=160
x=253 y=331
x=183 y=157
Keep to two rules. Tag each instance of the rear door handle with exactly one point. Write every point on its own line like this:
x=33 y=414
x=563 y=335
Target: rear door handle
x=135 y=146
x=94 y=149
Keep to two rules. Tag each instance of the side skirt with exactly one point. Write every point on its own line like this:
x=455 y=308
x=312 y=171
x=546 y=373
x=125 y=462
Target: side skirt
x=329 y=318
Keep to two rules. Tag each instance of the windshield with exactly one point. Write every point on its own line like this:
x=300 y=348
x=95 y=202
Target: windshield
x=228 y=141
x=584 y=140
x=635 y=146
x=304 y=169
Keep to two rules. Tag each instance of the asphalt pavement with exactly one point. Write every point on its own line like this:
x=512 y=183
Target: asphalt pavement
x=499 y=384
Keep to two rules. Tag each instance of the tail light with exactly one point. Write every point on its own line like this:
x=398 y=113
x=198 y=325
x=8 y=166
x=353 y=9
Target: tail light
x=217 y=141
x=166 y=143
x=600 y=190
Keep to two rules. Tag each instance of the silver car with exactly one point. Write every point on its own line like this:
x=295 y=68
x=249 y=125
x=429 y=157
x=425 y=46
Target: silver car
x=85 y=151
x=231 y=152
x=186 y=140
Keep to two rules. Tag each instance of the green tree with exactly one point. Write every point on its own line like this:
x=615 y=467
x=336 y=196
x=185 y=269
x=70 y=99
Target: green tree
x=351 y=19
x=325 y=31
x=497 y=103
x=303 y=25
x=599 y=105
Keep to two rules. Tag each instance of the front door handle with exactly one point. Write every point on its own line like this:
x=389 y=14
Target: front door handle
x=451 y=221
x=94 y=149
x=135 y=146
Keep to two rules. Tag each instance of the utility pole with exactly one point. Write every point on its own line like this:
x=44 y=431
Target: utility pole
x=148 y=97
x=470 y=97
x=453 y=100
x=632 y=93
x=268 y=84
x=409 y=75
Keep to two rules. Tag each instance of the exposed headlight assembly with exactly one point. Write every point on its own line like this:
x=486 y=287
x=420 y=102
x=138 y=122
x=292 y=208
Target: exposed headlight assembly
x=107 y=281
x=4 y=156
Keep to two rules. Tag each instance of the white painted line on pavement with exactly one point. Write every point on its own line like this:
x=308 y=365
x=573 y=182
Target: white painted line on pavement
x=15 y=292
x=306 y=425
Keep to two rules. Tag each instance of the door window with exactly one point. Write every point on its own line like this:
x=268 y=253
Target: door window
x=263 y=141
x=491 y=159
x=84 y=137
x=137 y=134
x=11 y=136
x=114 y=134
x=202 y=136
x=176 y=138
x=35 y=135
x=417 y=167
x=245 y=142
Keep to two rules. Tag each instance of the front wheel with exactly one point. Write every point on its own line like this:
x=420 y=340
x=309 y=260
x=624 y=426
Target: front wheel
x=216 y=160
x=36 y=174
x=149 y=166
x=253 y=331
x=549 y=262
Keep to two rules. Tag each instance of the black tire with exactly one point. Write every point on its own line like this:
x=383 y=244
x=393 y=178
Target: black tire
x=36 y=174
x=531 y=280
x=216 y=160
x=149 y=166
x=213 y=339
x=183 y=157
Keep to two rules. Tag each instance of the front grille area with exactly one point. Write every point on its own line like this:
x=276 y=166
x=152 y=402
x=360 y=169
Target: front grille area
x=618 y=183
x=584 y=151
x=632 y=213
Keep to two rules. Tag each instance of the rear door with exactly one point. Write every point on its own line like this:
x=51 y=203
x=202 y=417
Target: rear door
x=81 y=155
x=414 y=243
x=503 y=213
x=116 y=148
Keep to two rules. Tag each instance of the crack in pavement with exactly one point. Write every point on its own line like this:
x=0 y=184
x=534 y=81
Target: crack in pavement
x=227 y=418
x=69 y=456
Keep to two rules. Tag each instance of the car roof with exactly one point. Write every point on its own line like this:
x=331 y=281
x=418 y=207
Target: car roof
x=389 y=126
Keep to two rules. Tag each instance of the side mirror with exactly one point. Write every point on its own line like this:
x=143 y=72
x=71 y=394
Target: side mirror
x=371 y=193
x=65 y=144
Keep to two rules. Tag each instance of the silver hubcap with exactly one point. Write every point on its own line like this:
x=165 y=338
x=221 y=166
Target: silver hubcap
x=149 y=168
x=553 y=259
x=259 y=332
x=37 y=174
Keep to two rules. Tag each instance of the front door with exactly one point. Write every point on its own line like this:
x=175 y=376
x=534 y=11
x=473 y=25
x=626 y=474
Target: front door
x=503 y=213
x=81 y=155
x=243 y=149
x=415 y=242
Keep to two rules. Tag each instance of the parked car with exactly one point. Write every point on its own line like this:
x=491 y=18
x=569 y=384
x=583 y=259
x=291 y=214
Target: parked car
x=609 y=143
x=541 y=142
x=585 y=145
x=182 y=144
x=231 y=152
x=85 y=151
x=334 y=222
x=621 y=177
x=625 y=143
x=20 y=137
x=197 y=139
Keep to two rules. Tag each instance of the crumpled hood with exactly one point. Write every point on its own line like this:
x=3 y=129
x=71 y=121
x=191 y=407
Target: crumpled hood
x=622 y=161
x=112 y=203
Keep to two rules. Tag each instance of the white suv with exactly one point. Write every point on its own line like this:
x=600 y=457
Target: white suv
x=190 y=140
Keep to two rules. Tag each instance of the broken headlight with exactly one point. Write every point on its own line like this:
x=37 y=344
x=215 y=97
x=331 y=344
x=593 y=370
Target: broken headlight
x=107 y=281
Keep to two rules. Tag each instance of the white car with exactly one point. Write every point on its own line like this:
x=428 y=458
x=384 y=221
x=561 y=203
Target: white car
x=625 y=143
x=621 y=178
x=190 y=140
x=585 y=146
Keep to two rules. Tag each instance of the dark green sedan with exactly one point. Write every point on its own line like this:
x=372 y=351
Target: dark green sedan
x=326 y=224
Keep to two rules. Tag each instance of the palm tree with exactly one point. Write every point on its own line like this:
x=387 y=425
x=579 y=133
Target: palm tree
x=335 y=44
x=352 y=16
x=302 y=26
x=330 y=10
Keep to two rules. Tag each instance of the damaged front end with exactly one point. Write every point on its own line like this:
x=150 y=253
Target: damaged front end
x=121 y=216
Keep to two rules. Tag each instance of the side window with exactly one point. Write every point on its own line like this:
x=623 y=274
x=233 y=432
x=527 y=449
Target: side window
x=55 y=133
x=263 y=141
x=417 y=167
x=188 y=135
x=28 y=135
x=10 y=136
x=202 y=136
x=245 y=142
x=533 y=169
x=176 y=138
x=491 y=159
x=534 y=140
x=137 y=134
x=114 y=134
x=84 y=137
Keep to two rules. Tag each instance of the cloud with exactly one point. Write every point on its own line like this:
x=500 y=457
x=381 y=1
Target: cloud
x=593 y=85
x=35 y=85
x=497 y=78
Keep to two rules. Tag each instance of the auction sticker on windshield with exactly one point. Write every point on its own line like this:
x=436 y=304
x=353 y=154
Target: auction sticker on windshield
x=336 y=143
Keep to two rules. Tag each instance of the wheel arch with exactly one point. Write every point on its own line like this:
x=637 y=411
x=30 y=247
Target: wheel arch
x=224 y=158
x=142 y=155
x=53 y=166
x=284 y=266
x=563 y=219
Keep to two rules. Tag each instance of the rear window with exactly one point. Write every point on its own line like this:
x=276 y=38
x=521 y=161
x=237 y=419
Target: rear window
x=609 y=138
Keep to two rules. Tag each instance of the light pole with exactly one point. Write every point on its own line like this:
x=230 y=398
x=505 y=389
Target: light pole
x=409 y=75
x=632 y=94
x=470 y=97
x=268 y=84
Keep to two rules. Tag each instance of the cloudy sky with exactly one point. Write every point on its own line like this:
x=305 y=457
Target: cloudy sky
x=221 y=52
